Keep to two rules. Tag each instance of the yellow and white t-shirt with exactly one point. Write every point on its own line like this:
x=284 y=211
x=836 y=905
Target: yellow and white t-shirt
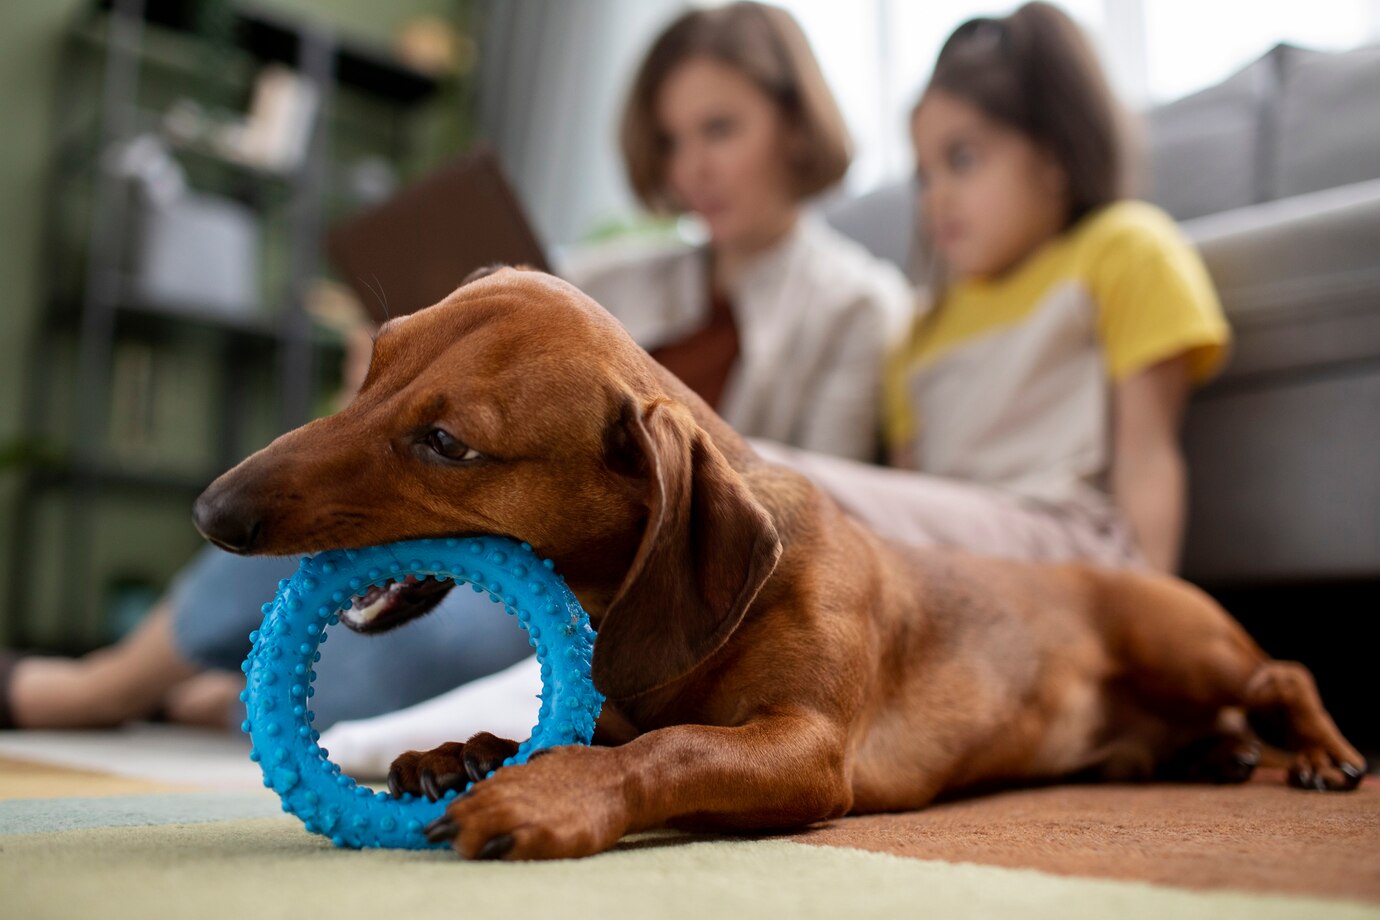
x=1008 y=382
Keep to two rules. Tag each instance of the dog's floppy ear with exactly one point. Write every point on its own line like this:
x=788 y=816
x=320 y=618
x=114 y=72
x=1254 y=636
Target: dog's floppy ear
x=707 y=549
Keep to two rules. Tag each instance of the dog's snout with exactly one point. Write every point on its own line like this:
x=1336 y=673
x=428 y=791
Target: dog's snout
x=226 y=519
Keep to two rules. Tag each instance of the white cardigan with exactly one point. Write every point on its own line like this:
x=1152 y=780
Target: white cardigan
x=816 y=315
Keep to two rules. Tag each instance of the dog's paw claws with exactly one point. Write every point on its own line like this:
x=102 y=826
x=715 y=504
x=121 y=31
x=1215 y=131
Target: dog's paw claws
x=485 y=753
x=477 y=769
x=435 y=787
x=1326 y=775
x=442 y=829
x=495 y=847
x=1243 y=764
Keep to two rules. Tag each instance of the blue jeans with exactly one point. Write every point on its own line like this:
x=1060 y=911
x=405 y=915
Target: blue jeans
x=216 y=602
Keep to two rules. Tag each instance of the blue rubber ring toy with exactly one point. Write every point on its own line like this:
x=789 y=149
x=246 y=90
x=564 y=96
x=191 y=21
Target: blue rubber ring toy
x=279 y=675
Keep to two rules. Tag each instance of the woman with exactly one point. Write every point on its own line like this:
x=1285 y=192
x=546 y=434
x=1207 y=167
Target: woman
x=779 y=322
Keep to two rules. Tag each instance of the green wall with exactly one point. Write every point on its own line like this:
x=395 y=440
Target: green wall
x=31 y=35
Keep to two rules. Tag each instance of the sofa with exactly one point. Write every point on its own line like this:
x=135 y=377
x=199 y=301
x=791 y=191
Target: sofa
x=1274 y=173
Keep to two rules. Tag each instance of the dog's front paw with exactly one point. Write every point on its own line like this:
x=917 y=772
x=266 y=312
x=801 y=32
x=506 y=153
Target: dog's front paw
x=451 y=766
x=565 y=802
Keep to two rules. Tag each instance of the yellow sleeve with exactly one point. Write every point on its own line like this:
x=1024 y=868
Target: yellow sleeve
x=1154 y=297
x=898 y=415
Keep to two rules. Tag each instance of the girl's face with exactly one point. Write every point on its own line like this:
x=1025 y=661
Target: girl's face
x=989 y=195
x=727 y=154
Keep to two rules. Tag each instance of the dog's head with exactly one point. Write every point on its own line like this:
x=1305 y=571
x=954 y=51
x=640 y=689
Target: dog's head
x=520 y=407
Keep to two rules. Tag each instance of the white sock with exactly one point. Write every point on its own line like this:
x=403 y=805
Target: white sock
x=505 y=703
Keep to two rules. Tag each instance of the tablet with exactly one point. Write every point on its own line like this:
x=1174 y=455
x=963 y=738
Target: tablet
x=415 y=248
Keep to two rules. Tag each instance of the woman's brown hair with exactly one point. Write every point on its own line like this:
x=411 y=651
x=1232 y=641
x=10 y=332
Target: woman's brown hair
x=766 y=45
x=1036 y=72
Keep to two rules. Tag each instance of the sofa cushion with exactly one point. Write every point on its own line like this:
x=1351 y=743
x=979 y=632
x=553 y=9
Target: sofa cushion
x=1328 y=121
x=1205 y=150
x=883 y=220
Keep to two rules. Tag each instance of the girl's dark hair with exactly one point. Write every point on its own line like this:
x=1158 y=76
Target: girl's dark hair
x=1036 y=72
x=765 y=44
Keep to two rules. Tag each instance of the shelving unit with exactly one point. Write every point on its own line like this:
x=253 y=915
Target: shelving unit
x=94 y=305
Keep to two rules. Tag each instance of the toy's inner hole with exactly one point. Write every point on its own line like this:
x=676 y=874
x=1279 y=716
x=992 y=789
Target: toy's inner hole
x=471 y=637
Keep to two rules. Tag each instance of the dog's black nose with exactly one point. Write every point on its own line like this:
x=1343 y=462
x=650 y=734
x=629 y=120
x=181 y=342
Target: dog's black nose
x=225 y=520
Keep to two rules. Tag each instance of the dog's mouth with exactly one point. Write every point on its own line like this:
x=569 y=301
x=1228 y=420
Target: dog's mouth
x=393 y=603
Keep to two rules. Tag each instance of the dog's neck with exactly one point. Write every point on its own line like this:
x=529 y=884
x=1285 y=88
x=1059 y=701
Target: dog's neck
x=594 y=573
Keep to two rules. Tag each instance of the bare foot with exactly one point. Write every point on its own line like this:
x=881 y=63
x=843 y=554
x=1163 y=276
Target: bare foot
x=206 y=700
x=107 y=687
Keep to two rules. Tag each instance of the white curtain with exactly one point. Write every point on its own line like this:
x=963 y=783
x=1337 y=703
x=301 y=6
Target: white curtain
x=553 y=77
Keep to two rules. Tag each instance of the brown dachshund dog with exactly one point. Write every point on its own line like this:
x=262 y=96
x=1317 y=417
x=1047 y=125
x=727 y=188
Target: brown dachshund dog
x=768 y=662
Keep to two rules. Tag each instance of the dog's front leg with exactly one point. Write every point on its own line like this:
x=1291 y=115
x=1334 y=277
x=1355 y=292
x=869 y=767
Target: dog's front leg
x=778 y=771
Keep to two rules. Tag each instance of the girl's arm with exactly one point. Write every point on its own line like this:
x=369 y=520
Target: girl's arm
x=1149 y=479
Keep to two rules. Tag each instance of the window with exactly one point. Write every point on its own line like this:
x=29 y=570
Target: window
x=877 y=53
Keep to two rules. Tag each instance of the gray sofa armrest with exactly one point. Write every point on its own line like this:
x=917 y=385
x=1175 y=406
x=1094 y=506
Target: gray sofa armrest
x=1299 y=278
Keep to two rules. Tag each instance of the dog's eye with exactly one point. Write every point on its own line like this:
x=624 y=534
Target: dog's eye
x=445 y=444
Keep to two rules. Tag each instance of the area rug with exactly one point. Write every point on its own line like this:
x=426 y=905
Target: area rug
x=82 y=843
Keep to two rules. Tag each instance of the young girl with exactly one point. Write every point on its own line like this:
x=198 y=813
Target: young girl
x=1041 y=393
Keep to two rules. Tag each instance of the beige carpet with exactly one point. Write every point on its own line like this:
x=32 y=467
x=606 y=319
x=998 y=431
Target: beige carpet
x=270 y=868
x=80 y=844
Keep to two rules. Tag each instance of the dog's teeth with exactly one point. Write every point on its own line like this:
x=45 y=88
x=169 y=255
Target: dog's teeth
x=365 y=614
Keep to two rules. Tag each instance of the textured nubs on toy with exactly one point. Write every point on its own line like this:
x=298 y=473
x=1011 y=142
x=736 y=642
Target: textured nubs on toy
x=380 y=586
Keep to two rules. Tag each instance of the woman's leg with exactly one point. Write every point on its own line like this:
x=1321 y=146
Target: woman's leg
x=216 y=604
x=207 y=700
x=184 y=657
x=125 y=681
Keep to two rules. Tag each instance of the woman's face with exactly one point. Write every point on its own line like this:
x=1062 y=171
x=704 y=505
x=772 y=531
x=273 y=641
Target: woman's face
x=989 y=195
x=727 y=154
